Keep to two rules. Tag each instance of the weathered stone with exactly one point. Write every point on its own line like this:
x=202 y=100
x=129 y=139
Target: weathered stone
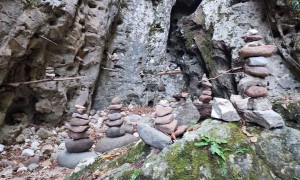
x=107 y=144
x=186 y=113
x=223 y=109
x=139 y=119
x=32 y=160
x=27 y=152
x=82 y=116
x=164 y=119
x=44 y=133
x=118 y=122
x=162 y=111
x=78 y=122
x=256 y=91
x=257 y=61
x=114 y=116
x=238 y=102
x=204 y=109
x=75 y=136
x=205 y=98
x=113 y=132
x=43 y=106
x=251 y=38
x=259 y=104
x=168 y=128
x=76 y=146
x=152 y=136
x=164 y=103
x=116 y=100
x=115 y=106
x=267 y=119
x=207 y=92
x=77 y=129
x=20 y=139
x=70 y=160
x=248 y=81
x=128 y=128
x=256 y=71
x=180 y=130
x=265 y=51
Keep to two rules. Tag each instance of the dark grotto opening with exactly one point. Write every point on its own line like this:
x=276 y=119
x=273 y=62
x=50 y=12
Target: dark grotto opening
x=179 y=44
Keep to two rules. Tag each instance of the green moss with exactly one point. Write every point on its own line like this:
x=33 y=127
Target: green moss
x=207 y=49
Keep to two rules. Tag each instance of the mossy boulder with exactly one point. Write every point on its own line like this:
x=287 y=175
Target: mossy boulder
x=275 y=155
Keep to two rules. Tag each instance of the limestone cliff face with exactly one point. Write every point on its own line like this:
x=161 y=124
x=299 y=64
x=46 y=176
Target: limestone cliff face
x=149 y=37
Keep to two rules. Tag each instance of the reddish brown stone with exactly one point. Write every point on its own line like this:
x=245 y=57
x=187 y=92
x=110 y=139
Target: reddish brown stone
x=256 y=91
x=256 y=71
x=76 y=136
x=115 y=106
x=79 y=122
x=162 y=111
x=180 y=130
x=205 y=98
x=165 y=119
x=251 y=38
x=77 y=129
x=82 y=116
x=168 y=128
x=265 y=51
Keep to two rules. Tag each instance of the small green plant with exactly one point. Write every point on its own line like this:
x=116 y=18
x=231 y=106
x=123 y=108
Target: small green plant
x=241 y=151
x=215 y=148
x=135 y=174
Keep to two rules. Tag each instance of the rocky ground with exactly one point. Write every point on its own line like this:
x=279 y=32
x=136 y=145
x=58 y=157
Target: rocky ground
x=34 y=156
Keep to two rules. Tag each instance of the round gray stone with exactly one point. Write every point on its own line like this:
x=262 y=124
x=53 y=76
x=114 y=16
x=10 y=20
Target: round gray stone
x=81 y=145
x=70 y=160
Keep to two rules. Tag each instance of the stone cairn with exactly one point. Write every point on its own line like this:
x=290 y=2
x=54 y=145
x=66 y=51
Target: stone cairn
x=253 y=86
x=117 y=134
x=205 y=98
x=165 y=121
x=78 y=132
x=50 y=72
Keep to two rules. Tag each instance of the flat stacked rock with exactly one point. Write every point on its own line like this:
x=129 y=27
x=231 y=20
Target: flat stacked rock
x=78 y=132
x=205 y=105
x=118 y=134
x=50 y=72
x=253 y=86
x=165 y=121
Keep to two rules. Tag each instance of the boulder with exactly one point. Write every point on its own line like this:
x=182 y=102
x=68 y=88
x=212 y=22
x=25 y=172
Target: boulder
x=70 y=160
x=152 y=136
x=107 y=144
x=256 y=91
x=186 y=113
x=162 y=110
x=223 y=109
x=76 y=146
x=268 y=119
x=168 y=128
x=265 y=51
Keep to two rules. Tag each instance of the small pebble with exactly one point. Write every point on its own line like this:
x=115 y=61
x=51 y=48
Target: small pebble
x=32 y=166
x=22 y=169
x=27 y=152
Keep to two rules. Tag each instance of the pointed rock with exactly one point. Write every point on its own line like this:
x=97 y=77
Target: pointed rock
x=265 y=51
x=268 y=119
x=162 y=111
x=223 y=109
x=256 y=71
x=78 y=122
x=165 y=119
x=256 y=91
x=152 y=136
x=168 y=128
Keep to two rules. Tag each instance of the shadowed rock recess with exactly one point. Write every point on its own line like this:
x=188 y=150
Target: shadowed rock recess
x=172 y=65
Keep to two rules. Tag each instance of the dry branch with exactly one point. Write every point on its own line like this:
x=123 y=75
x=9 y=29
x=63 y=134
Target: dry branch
x=16 y=84
x=109 y=69
x=224 y=73
x=170 y=72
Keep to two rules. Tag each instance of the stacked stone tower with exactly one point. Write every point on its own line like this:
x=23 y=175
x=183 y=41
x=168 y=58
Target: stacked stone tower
x=117 y=133
x=78 y=132
x=165 y=121
x=254 y=85
x=205 y=98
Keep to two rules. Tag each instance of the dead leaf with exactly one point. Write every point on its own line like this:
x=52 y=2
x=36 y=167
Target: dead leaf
x=253 y=139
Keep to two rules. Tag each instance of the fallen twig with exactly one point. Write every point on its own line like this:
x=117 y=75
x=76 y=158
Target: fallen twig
x=16 y=84
x=224 y=73
x=170 y=72
x=48 y=39
x=109 y=69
